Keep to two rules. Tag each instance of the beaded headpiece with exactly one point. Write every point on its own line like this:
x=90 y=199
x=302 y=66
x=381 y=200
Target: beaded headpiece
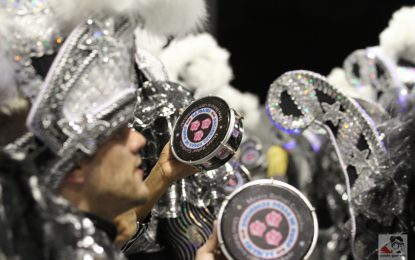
x=373 y=67
x=89 y=92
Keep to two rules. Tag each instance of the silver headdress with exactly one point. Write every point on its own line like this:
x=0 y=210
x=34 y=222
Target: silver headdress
x=33 y=29
x=388 y=68
x=357 y=143
x=373 y=67
x=88 y=94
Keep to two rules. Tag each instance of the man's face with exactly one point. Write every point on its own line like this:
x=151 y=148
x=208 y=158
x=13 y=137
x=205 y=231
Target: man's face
x=113 y=181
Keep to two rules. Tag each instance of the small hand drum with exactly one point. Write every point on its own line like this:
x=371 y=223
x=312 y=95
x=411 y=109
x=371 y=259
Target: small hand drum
x=267 y=219
x=252 y=156
x=207 y=134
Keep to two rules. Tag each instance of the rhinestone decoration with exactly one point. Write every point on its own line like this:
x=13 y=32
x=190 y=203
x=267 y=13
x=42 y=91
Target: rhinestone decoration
x=150 y=65
x=209 y=189
x=83 y=136
x=374 y=68
x=359 y=159
x=157 y=109
x=159 y=99
x=90 y=90
x=360 y=69
x=303 y=95
x=369 y=67
x=306 y=89
x=357 y=143
x=332 y=113
x=35 y=34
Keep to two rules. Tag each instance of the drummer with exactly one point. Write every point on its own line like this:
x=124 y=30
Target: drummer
x=89 y=154
x=93 y=161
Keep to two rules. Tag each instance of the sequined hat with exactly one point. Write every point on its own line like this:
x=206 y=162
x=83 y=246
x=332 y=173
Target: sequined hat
x=34 y=29
x=89 y=90
x=88 y=94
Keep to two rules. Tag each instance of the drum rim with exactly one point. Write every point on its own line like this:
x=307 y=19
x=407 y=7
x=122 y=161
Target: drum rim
x=271 y=182
x=232 y=121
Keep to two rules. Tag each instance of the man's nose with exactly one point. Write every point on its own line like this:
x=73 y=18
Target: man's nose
x=136 y=140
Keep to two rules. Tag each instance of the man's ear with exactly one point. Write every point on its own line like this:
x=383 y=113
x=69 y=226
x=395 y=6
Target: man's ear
x=76 y=176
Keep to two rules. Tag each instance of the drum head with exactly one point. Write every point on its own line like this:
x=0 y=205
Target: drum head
x=267 y=219
x=200 y=129
x=237 y=176
x=251 y=153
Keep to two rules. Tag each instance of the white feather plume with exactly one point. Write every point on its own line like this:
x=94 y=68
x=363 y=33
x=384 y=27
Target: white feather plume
x=398 y=39
x=149 y=41
x=337 y=78
x=246 y=104
x=164 y=17
x=199 y=63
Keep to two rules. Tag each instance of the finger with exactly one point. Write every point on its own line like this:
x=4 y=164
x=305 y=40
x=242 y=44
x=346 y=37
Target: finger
x=212 y=243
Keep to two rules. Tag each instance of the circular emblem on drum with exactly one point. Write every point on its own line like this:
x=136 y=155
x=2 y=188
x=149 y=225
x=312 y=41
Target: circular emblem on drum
x=268 y=229
x=199 y=128
x=267 y=219
x=207 y=133
x=236 y=176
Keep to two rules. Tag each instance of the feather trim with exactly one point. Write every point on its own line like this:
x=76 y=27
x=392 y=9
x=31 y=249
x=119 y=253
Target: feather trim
x=199 y=63
x=398 y=39
x=337 y=78
x=164 y=17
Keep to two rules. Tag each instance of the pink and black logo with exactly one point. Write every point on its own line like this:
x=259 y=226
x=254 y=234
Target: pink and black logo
x=199 y=128
x=233 y=182
x=268 y=229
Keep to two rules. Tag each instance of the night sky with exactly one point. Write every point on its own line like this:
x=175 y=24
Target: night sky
x=269 y=37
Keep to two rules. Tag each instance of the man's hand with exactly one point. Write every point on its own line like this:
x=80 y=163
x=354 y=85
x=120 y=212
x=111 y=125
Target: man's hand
x=126 y=224
x=172 y=169
x=210 y=250
x=166 y=171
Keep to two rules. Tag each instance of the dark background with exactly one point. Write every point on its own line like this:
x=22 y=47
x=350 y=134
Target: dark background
x=269 y=37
